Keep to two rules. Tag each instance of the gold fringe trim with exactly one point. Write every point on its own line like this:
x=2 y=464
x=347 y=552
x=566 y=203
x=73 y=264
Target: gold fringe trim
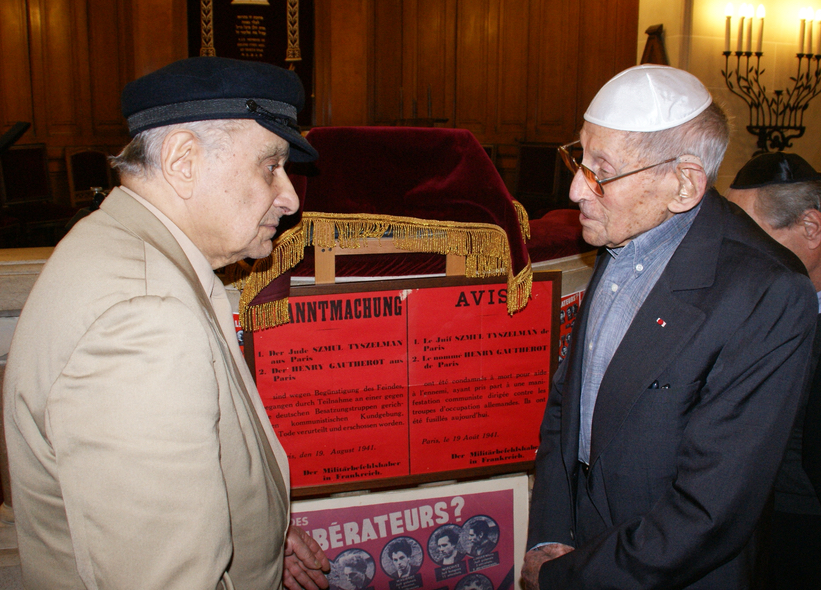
x=519 y=288
x=484 y=245
x=266 y=315
x=524 y=220
x=288 y=251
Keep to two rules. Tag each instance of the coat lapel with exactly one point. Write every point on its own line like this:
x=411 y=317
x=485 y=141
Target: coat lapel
x=649 y=346
x=132 y=215
x=573 y=377
x=646 y=347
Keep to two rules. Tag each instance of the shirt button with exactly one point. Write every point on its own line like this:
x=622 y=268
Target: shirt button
x=639 y=267
x=614 y=287
x=590 y=346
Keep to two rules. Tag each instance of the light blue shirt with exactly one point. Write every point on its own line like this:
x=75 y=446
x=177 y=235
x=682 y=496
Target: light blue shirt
x=622 y=290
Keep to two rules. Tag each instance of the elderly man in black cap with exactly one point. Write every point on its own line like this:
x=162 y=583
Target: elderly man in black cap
x=666 y=424
x=141 y=456
x=782 y=193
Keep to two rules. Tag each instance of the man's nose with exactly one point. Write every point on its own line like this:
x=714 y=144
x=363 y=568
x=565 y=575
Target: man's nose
x=579 y=190
x=286 y=198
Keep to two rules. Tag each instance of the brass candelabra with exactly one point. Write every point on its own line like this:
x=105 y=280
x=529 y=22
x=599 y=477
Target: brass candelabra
x=778 y=118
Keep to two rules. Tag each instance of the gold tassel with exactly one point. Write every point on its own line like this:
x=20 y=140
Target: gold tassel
x=524 y=220
x=265 y=315
x=288 y=251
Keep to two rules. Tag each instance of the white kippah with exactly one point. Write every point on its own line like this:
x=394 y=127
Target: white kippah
x=648 y=98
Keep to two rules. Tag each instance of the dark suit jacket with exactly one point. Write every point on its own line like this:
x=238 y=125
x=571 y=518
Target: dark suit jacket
x=678 y=476
x=811 y=444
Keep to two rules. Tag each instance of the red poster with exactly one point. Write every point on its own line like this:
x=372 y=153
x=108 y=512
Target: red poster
x=478 y=378
x=457 y=537
x=567 y=320
x=394 y=382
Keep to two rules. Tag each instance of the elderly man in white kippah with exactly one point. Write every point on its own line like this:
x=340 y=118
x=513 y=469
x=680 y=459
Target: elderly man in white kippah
x=666 y=425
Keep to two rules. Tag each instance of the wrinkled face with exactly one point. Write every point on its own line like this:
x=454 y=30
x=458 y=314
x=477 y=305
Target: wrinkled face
x=242 y=194
x=446 y=548
x=401 y=561
x=631 y=205
x=789 y=237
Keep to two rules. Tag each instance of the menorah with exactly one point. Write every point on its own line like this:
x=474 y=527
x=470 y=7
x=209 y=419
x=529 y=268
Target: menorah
x=775 y=119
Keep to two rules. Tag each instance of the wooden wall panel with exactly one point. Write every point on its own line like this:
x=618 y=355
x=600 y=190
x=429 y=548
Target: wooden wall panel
x=510 y=99
x=61 y=79
x=387 y=63
x=508 y=70
x=15 y=76
x=159 y=31
x=64 y=64
x=107 y=65
x=475 y=30
x=552 y=70
x=349 y=59
x=434 y=57
x=604 y=37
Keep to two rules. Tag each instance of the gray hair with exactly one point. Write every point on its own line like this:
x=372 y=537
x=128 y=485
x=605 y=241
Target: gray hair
x=141 y=157
x=782 y=205
x=706 y=137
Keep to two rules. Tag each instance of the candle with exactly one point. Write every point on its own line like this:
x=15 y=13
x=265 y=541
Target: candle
x=818 y=33
x=810 y=27
x=739 y=46
x=749 y=16
x=728 y=13
x=760 y=14
x=801 y=31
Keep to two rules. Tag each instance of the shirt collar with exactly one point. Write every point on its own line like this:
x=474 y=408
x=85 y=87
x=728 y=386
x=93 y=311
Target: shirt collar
x=653 y=239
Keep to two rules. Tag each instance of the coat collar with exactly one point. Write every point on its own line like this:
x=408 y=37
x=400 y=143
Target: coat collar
x=145 y=225
x=695 y=262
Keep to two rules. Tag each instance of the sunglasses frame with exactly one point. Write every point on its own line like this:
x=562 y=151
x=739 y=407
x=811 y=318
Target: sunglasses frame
x=593 y=182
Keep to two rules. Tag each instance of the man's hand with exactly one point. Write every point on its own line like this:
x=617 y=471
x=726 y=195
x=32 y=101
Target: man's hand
x=305 y=562
x=534 y=560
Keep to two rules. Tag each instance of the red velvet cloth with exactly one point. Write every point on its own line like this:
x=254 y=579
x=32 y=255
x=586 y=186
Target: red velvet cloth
x=556 y=234
x=427 y=173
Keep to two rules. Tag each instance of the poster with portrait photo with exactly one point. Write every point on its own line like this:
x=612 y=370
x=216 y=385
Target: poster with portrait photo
x=462 y=536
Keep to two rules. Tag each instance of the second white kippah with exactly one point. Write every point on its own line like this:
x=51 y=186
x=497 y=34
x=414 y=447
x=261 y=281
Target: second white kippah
x=648 y=98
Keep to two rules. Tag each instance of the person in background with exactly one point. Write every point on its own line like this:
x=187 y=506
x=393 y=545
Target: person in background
x=665 y=426
x=141 y=456
x=782 y=193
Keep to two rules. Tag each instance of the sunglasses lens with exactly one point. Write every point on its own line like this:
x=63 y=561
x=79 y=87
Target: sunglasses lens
x=571 y=164
x=592 y=181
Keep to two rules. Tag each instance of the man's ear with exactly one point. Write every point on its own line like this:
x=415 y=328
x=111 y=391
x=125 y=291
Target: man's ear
x=692 y=184
x=180 y=158
x=811 y=228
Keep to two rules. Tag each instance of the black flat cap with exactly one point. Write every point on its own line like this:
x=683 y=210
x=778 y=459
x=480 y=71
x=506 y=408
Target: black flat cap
x=201 y=88
x=777 y=168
